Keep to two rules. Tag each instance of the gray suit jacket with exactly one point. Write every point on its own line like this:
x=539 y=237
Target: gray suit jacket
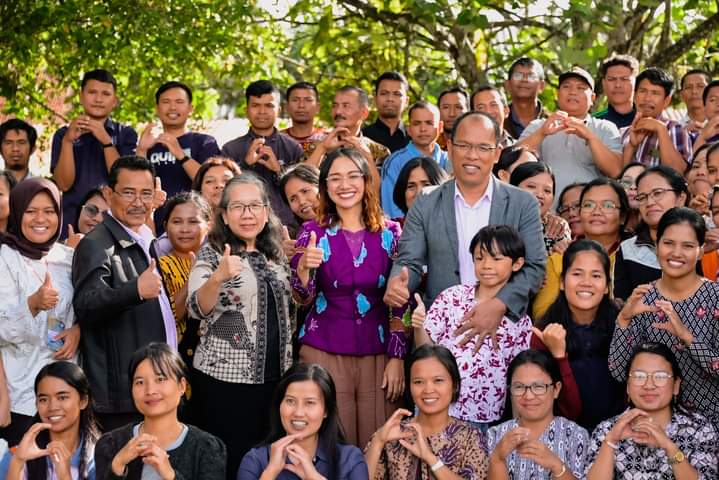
x=430 y=238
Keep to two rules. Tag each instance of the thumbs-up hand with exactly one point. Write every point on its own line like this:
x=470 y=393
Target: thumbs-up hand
x=397 y=292
x=312 y=256
x=554 y=337
x=419 y=314
x=288 y=245
x=45 y=297
x=149 y=283
x=230 y=266
x=160 y=195
x=72 y=238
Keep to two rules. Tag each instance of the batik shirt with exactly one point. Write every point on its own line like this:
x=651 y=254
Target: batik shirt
x=699 y=362
x=692 y=434
x=459 y=446
x=564 y=438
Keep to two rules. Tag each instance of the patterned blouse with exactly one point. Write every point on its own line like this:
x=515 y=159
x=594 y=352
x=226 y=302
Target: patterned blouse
x=694 y=436
x=484 y=375
x=348 y=315
x=459 y=446
x=563 y=437
x=234 y=335
x=699 y=362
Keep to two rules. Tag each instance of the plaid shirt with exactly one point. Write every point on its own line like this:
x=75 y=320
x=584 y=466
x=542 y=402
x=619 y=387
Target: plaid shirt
x=648 y=150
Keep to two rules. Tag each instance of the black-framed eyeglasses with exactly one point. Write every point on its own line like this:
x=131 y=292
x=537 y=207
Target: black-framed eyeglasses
x=655 y=195
x=574 y=207
x=254 y=208
x=640 y=378
x=520 y=389
x=92 y=210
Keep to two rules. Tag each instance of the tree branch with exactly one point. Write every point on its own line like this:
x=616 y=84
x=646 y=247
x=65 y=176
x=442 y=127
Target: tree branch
x=664 y=58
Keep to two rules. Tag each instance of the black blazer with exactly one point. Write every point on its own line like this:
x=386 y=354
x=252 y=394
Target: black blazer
x=113 y=320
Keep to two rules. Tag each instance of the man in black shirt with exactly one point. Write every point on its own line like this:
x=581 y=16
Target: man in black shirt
x=619 y=72
x=390 y=96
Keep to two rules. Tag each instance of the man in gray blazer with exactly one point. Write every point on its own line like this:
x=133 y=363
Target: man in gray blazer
x=442 y=222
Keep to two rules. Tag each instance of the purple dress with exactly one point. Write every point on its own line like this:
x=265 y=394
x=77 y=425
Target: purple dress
x=348 y=315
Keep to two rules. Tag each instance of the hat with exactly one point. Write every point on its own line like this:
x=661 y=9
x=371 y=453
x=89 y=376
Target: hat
x=578 y=73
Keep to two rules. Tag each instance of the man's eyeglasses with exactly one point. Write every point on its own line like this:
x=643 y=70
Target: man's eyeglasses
x=92 y=210
x=254 y=208
x=145 y=196
x=468 y=147
x=520 y=389
x=656 y=195
x=607 y=206
x=529 y=76
x=640 y=378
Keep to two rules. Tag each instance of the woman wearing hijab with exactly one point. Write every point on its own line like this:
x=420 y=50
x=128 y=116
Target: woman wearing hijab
x=36 y=315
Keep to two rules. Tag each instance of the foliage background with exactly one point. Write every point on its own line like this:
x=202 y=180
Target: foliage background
x=218 y=46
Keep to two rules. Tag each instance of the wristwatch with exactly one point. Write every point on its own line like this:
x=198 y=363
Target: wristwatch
x=676 y=458
x=184 y=159
x=108 y=145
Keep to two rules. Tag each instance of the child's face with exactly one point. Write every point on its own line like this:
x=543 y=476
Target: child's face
x=493 y=270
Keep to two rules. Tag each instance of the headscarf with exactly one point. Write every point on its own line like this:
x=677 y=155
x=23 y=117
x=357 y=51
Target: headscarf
x=20 y=198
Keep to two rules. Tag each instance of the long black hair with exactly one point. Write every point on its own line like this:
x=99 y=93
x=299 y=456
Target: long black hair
x=434 y=172
x=330 y=433
x=73 y=375
x=268 y=240
x=607 y=311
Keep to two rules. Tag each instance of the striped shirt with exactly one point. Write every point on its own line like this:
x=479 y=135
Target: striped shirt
x=647 y=152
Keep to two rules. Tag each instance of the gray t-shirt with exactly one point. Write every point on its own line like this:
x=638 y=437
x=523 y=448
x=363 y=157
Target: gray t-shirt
x=569 y=155
x=148 y=471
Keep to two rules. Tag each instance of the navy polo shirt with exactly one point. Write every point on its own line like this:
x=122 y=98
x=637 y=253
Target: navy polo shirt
x=197 y=146
x=621 y=120
x=90 y=169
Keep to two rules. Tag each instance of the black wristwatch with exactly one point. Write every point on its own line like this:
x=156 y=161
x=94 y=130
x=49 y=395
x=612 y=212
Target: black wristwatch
x=108 y=145
x=184 y=159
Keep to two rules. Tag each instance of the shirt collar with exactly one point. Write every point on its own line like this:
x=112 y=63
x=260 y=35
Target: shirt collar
x=251 y=133
x=487 y=196
x=380 y=124
x=143 y=237
x=515 y=119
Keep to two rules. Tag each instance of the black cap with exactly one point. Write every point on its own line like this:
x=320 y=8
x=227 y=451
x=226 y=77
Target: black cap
x=578 y=73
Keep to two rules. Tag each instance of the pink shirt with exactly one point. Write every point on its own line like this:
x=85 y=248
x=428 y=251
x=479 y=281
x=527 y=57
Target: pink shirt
x=470 y=219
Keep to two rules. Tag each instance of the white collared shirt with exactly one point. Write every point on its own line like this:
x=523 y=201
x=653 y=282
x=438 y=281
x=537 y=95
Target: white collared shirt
x=470 y=219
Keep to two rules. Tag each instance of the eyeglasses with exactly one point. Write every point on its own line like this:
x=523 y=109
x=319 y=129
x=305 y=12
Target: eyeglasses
x=254 y=208
x=337 y=180
x=656 y=195
x=520 y=390
x=145 y=196
x=92 y=210
x=639 y=378
x=606 y=206
x=628 y=183
x=468 y=147
x=530 y=76
x=574 y=207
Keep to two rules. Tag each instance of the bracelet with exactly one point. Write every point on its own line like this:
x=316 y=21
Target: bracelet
x=611 y=445
x=437 y=465
x=184 y=159
x=108 y=145
x=564 y=470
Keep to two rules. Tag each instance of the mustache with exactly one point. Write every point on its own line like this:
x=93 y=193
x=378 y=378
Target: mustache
x=339 y=117
x=138 y=211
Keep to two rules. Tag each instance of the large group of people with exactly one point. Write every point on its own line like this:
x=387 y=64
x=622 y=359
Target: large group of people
x=489 y=290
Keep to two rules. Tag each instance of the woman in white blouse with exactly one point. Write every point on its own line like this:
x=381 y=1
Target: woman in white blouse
x=36 y=315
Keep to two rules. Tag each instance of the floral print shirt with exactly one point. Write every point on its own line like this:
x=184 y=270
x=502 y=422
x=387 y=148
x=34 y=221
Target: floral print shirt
x=484 y=375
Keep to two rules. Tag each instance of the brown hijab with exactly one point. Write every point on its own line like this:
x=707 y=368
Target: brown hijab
x=20 y=198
